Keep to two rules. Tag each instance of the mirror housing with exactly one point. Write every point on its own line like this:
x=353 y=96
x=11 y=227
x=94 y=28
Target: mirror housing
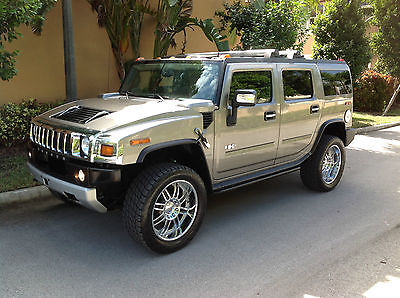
x=242 y=97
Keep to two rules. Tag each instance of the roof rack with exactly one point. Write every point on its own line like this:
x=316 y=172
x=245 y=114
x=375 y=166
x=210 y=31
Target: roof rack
x=264 y=53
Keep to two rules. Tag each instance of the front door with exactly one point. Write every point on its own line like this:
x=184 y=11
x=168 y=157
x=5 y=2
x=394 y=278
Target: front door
x=251 y=143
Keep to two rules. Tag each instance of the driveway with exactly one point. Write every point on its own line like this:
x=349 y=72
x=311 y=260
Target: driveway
x=273 y=239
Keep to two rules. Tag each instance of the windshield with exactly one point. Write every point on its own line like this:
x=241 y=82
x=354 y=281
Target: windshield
x=170 y=80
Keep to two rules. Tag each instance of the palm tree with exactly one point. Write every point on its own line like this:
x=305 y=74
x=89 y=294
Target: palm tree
x=122 y=20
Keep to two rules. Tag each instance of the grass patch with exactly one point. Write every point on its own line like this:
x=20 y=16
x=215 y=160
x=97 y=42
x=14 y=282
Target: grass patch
x=364 y=119
x=14 y=173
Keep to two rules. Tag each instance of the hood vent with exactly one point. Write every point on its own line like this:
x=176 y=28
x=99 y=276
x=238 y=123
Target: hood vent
x=208 y=118
x=81 y=115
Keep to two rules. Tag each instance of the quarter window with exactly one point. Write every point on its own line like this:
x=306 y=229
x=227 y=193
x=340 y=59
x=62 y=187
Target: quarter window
x=261 y=81
x=336 y=82
x=297 y=84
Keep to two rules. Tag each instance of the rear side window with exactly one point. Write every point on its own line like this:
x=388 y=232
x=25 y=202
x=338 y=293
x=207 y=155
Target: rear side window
x=261 y=81
x=336 y=82
x=297 y=84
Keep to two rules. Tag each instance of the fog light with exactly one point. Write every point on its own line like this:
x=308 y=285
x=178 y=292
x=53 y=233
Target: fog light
x=80 y=175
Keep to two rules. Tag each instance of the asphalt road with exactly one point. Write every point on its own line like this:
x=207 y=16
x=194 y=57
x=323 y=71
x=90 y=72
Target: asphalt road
x=272 y=239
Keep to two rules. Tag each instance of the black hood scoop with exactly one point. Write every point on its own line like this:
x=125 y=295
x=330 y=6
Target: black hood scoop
x=81 y=115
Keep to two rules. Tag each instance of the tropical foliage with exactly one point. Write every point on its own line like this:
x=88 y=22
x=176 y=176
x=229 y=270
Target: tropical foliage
x=273 y=24
x=174 y=17
x=386 y=42
x=122 y=20
x=340 y=34
x=14 y=13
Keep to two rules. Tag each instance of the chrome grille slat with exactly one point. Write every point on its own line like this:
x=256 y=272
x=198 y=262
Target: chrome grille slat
x=41 y=135
x=52 y=139
x=47 y=138
x=58 y=142
x=65 y=141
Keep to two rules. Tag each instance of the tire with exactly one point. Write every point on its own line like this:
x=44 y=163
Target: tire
x=164 y=207
x=324 y=169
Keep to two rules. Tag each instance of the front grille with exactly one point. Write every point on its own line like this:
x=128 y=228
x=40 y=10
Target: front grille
x=53 y=139
x=207 y=119
x=81 y=115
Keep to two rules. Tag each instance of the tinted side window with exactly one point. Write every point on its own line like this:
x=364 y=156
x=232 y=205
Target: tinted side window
x=261 y=81
x=297 y=84
x=336 y=82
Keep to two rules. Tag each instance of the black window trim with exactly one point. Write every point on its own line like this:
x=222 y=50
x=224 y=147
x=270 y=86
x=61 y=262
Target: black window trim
x=310 y=98
x=272 y=101
x=334 y=96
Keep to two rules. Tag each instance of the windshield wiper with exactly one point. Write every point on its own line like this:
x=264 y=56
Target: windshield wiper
x=156 y=95
x=127 y=94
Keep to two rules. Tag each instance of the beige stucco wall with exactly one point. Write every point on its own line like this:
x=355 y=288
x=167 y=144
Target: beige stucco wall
x=307 y=50
x=41 y=60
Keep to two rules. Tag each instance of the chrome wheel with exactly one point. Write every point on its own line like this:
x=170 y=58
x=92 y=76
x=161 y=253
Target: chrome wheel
x=331 y=164
x=174 y=210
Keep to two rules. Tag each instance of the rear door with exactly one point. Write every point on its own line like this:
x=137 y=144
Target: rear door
x=301 y=109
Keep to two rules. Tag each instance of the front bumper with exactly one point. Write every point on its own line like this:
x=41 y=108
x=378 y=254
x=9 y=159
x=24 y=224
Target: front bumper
x=85 y=196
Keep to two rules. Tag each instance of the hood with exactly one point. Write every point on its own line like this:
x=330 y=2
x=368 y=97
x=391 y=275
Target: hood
x=103 y=114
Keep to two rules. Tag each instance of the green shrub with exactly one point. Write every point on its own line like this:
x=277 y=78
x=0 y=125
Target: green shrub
x=372 y=91
x=340 y=33
x=266 y=24
x=15 y=120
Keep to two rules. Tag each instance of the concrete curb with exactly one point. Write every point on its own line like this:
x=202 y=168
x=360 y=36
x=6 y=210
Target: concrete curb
x=362 y=130
x=26 y=194
x=23 y=195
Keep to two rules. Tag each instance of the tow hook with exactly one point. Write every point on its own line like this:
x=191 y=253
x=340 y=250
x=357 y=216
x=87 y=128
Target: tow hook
x=202 y=138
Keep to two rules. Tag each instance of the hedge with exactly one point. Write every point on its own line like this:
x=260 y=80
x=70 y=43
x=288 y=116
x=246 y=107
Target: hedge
x=15 y=120
x=372 y=91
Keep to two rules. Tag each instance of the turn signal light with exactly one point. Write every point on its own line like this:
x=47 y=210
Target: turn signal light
x=140 y=141
x=107 y=150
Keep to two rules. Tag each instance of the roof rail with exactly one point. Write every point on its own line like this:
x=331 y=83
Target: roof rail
x=291 y=54
x=265 y=53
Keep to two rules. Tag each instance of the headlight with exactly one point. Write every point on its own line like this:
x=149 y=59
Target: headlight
x=76 y=144
x=347 y=116
x=107 y=149
x=85 y=146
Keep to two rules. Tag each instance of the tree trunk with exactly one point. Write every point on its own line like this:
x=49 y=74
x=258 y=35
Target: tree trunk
x=392 y=100
x=119 y=63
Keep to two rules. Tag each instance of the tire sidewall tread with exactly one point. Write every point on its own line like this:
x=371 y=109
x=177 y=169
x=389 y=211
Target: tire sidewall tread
x=310 y=170
x=141 y=195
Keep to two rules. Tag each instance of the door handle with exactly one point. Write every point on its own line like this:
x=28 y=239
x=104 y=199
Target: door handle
x=269 y=116
x=314 y=109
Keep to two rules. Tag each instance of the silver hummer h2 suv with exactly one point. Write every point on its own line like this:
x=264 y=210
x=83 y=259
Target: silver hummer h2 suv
x=183 y=127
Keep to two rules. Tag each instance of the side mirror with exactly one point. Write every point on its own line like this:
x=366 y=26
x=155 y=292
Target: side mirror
x=242 y=97
x=245 y=97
